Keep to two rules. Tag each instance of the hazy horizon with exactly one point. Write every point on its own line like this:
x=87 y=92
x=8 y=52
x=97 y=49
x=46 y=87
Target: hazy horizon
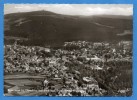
x=73 y=9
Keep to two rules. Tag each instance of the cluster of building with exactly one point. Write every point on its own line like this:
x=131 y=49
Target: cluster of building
x=66 y=68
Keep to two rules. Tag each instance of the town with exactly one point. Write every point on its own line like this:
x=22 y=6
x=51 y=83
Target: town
x=77 y=68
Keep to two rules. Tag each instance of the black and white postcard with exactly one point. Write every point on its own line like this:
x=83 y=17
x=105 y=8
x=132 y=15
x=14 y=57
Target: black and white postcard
x=68 y=50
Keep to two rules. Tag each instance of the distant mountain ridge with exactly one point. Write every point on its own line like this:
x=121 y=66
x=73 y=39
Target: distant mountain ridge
x=41 y=27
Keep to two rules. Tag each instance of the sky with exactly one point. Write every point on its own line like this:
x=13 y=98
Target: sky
x=73 y=9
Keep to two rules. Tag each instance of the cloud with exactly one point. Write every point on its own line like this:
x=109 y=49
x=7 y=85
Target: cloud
x=73 y=9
